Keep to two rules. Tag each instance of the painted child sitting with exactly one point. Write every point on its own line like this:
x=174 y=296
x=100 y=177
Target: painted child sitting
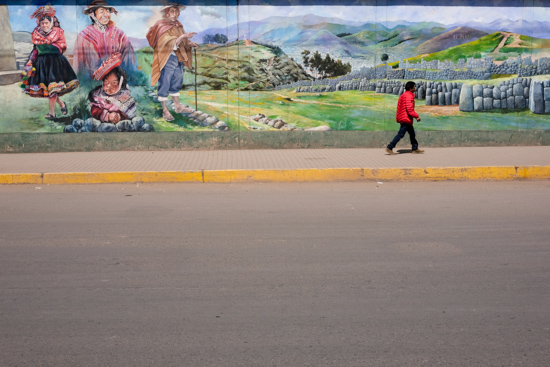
x=111 y=104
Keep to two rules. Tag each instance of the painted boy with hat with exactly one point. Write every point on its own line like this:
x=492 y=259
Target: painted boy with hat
x=172 y=48
x=97 y=42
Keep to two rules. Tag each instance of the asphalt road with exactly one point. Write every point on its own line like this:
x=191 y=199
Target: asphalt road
x=338 y=274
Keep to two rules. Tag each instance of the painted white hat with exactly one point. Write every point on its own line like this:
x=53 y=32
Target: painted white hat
x=96 y=4
x=173 y=5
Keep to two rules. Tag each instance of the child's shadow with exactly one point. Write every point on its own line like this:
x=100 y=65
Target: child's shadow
x=403 y=151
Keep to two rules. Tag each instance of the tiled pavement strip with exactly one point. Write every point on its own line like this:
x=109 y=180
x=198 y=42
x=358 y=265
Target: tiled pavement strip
x=469 y=163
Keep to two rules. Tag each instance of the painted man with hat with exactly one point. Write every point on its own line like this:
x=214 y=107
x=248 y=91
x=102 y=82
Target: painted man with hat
x=97 y=42
x=172 y=53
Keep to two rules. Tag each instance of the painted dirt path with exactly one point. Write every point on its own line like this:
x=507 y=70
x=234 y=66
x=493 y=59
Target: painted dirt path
x=225 y=108
x=438 y=110
x=422 y=110
x=432 y=110
x=321 y=103
x=515 y=43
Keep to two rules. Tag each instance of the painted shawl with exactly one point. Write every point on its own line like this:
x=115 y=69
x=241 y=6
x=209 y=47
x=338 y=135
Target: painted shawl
x=93 y=47
x=56 y=37
x=121 y=102
x=162 y=37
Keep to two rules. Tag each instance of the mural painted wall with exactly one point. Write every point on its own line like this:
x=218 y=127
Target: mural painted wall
x=105 y=66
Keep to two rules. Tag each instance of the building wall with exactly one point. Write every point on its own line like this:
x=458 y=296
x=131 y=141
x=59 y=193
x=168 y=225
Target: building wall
x=299 y=71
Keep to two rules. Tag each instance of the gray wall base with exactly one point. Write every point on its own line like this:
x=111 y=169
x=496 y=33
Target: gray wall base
x=215 y=140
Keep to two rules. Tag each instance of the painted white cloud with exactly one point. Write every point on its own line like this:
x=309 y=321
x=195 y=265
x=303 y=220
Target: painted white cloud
x=442 y=14
x=193 y=18
x=135 y=21
x=212 y=12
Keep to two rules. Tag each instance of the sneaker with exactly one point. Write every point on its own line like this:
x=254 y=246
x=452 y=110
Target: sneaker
x=390 y=152
x=417 y=151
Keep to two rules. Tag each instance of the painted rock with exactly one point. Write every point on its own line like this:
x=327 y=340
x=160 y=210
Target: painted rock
x=536 y=98
x=478 y=104
x=466 y=101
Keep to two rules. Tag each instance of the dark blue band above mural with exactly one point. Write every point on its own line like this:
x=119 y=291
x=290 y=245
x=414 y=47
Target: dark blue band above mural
x=453 y=3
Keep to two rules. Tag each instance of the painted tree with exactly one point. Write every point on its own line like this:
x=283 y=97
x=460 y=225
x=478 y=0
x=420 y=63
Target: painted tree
x=215 y=38
x=325 y=67
x=208 y=38
x=305 y=58
x=220 y=38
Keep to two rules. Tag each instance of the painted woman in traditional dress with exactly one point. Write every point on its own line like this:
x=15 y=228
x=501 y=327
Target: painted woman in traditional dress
x=48 y=74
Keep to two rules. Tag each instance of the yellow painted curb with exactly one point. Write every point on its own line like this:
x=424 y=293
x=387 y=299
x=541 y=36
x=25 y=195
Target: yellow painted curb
x=445 y=174
x=294 y=175
x=121 y=177
x=20 y=178
x=535 y=172
x=383 y=174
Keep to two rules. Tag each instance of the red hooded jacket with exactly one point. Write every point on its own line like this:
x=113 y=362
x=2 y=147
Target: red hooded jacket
x=405 y=109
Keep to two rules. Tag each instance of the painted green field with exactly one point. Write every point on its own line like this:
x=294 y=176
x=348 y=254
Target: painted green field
x=477 y=48
x=21 y=113
x=25 y=114
x=352 y=110
x=486 y=46
x=220 y=67
x=349 y=110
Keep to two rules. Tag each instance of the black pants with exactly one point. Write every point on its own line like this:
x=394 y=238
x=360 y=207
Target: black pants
x=405 y=128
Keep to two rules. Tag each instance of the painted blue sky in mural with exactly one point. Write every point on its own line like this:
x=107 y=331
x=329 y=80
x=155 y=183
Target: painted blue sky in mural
x=130 y=19
x=200 y=18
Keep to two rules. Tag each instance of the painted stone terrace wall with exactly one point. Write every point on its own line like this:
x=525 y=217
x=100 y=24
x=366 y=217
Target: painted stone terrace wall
x=442 y=94
x=433 y=93
x=471 y=63
x=451 y=74
x=519 y=93
x=540 y=67
x=476 y=69
x=480 y=69
x=523 y=67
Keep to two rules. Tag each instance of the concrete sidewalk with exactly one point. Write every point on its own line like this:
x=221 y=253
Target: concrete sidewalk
x=285 y=165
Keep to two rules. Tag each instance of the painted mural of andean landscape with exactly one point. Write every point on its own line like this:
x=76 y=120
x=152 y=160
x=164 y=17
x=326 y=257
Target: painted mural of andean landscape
x=320 y=73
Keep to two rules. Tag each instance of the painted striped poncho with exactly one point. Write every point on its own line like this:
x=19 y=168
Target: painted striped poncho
x=93 y=47
x=121 y=102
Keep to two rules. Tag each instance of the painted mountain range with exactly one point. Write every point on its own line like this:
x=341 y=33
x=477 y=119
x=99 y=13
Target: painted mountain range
x=452 y=38
x=529 y=28
x=398 y=39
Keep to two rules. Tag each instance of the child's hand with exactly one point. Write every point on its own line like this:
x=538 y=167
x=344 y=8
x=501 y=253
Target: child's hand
x=114 y=117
